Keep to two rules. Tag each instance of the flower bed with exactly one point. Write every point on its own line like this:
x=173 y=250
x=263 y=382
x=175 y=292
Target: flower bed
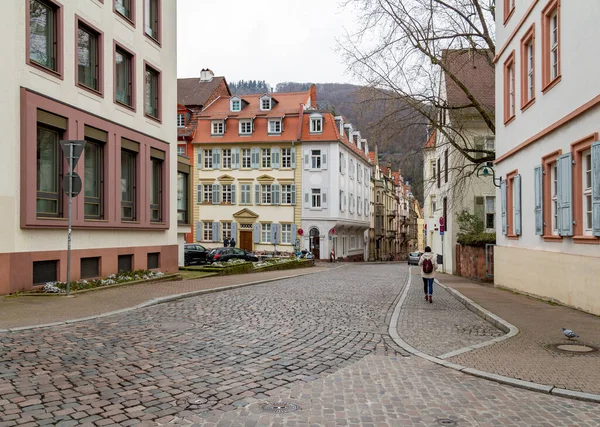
x=113 y=279
x=234 y=266
x=282 y=264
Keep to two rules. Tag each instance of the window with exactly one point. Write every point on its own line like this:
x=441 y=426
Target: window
x=151 y=93
x=359 y=205
x=509 y=88
x=43 y=34
x=432 y=205
x=246 y=158
x=587 y=192
x=128 y=185
x=509 y=8
x=550 y=44
x=286 y=157
x=89 y=57
x=245 y=194
x=181 y=150
x=245 y=127
x=266 y=157
x=90 y=267
x=433 y=170
x=342 y=163
x=124 y=77
x=315 y=156
x=49 y=173
x=208 y=159
x=93 y=180
x=446 y=165
x=351 y=169
x=226 y=230
x=45 y=271
x=218 y=127
x=439 y=174
x=152 y=260
x=287 y=194
x=156 y=186
x=316 y=198
x=124 y=263
x=266 y=195
x=207 y=193
x=265 y=235
x=554 y=198
x=226 y=159
x=180 y=120
x=207 y=231
x=366 y=207
x=125 y=8
x=236 y=105
x=286 y=234
x=341 y=200
x=227 y=193
x=182 y=197
x=151 y=18
x=265 y=103
x=528 y=67
x=274 y=126
x=316 y=124
x=358 y=173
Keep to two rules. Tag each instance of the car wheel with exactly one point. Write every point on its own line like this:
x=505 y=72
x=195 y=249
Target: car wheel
x=186 y=260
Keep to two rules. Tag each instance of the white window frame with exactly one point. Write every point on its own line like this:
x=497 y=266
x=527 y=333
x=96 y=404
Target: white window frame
x=286 y=234
x=432 y=205
x=217 y=127
x=226 y=193
x=433 y=170
x=207 y=232
x=235 y=102
x=265 y=232
x=351 y=169
x=488 y=212
x=586 y=185
x=226 y=233
x=208 y=159
x=180 y=120
x=316 y=124
x=181 y=150
x=342 y=163
x=530 y=76
x=315 y=160
x=226 y=158
x=245 y=194
x=554 y=45
x=286 y=158
x=207 y=193
x=265 y=103
x=266 y=197
x=511 y=90
x=246 y=127
x=246 y=158
x=275 y=126
x=287 y=197
x=315 y=198
x=341 y=200
x=265 y=158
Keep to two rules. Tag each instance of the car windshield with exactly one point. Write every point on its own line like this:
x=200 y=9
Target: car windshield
x=414 y=254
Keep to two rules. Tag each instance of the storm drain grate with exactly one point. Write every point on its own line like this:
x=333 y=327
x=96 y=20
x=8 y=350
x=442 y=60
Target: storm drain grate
x=446 y=422
x=280 y=407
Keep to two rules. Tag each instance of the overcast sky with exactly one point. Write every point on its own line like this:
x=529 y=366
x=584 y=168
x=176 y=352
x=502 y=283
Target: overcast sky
x=272 y=40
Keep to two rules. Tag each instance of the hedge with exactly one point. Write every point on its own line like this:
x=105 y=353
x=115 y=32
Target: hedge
x=476 y=239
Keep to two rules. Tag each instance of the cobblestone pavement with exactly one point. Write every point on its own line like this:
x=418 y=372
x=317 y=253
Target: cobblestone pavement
x=532 y=354
x=393 y=391
x=221 y=348
x=441 y=327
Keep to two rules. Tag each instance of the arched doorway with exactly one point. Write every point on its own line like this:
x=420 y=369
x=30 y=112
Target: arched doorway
x=315 y=242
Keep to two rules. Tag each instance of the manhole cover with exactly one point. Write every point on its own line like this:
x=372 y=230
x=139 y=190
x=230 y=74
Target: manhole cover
x=446 y=422
x=280 y=407
x=575 y=348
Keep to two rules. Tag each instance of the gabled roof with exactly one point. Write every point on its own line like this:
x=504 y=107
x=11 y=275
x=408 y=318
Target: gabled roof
x=475 y=70
x=431 y=140
x=193 y=91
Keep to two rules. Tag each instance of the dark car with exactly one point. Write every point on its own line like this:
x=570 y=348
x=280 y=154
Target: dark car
x=225 y=254
x=194 y=254
x=413 y=258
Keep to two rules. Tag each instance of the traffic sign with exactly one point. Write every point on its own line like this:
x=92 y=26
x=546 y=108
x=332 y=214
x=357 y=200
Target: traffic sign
x=441 y=233
x=78 y=147
x=442 y=229
x=76 y=184
x=441 y=221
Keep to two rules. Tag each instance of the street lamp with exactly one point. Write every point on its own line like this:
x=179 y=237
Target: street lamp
x=486 y=170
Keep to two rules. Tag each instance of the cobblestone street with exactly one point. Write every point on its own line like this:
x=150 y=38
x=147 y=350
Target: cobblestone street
x=319 y=340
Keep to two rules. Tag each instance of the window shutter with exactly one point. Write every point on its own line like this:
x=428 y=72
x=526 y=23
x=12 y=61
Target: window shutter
x=257 y=194
x=294 y=233
x=306 y=160
x=503 y=206
x=293 y=150
x=234 y=230
x=199 y=194
x=446 y=165
x=596 y=188
x=537 y=187
x=293 y=190
x=255 y=157
x=275 y=194
x=323 y=198
x=215 y=194
x=233 y=194
x=199 y=159
x=565 y=195
x=275 y=156
x=256 y=232
x=215 y=232
x=480 y=209
x=216 y=158
x=198 y=231
x=306 y=200
x=274 y=234
x=517 y=204
x=439 y=174
x=235 y=158
x=324 y=161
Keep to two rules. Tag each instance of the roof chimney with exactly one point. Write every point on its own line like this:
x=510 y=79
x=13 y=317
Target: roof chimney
x=206 y=75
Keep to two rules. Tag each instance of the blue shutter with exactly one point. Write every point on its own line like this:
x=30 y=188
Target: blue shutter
x=198 y=231
x=564 y=195
x=234 y=231
x=199 y=194
x=323 y=198
x=235 y=158
x=215 y=194
x=199 y=159
x=233 y=194
x=215 y=231
x=257 y=194
x=306 y=160
x=256 y=232
x=517 y=204
x=275 y=158
x=217 y=158
x=275 y=194
x=255 y=158
x=294 y=233
x=539 y=200
x=274 y=234
x=293 y=190
x=503 y=207
x=293 y=150
x=596 y=188
x=306 y=199
x=324 y=160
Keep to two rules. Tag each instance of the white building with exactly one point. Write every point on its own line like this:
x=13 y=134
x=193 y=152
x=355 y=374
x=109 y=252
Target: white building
x=548 y=155
x=104 y=72
x=335 y=184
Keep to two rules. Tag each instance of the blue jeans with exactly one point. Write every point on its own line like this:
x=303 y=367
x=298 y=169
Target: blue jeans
x=428 y=283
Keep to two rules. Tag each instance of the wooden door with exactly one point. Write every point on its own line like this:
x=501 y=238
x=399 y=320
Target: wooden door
x=246 y=240
x=315 y=243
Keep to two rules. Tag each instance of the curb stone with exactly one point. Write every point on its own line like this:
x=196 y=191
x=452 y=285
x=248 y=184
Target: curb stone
x=501 y=324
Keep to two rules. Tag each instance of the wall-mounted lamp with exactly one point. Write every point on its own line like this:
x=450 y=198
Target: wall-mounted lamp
x=486 y=170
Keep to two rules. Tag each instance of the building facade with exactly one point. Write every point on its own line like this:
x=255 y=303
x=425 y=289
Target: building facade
x=548 y=154
x=103 y=72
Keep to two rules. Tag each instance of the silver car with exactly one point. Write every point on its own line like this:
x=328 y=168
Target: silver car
x=413 y=258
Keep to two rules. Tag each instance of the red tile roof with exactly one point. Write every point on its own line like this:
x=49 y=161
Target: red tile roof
x=192 y=91
x=372 y=156
x=431 y=140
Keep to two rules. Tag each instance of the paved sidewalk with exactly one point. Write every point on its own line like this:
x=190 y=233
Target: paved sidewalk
x=26 y=311
x=531 y=355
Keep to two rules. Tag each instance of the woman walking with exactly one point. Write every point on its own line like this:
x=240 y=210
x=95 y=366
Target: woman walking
x=428 y=265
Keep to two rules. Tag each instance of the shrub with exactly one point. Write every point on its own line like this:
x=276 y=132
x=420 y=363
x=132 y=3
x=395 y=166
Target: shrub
x=477 y=239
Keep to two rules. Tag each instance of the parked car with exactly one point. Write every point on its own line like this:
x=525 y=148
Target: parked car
x=194 y=254
x=225 y=254
x=413 y=258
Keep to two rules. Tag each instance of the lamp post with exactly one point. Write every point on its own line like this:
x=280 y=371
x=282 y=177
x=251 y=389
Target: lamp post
x=486 y=170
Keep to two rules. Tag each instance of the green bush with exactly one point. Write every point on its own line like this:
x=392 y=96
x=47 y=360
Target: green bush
x=476 y=239
x=228 y=269
x=285 y=265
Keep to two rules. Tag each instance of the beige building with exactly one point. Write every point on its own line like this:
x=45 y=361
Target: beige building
x=103 y=72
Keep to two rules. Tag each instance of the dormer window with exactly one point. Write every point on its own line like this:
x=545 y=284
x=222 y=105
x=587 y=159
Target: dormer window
x=180 y=120
x=235 y=104
x=316 y=123
x=217 y=127
x=275 y=126
x=265 y=103
x=245 y=127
